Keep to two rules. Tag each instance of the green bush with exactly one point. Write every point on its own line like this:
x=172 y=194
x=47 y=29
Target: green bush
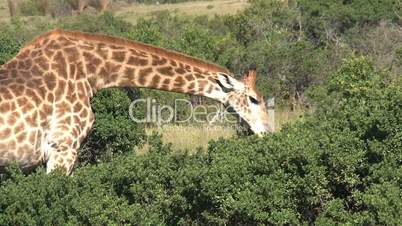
x=8 y=48
x=113 y=132
x=32 y=8
x=106 y=23
x=342 y=165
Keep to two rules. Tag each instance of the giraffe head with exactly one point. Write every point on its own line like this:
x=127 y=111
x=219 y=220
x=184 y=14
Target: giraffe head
x=246 y=100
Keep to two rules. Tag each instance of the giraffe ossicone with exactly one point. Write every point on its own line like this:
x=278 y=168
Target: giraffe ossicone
x=45 y=91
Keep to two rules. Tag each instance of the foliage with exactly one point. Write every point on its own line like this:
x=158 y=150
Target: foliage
x=32 y=8
x=159 y=1
x=343 y=15
x=113 y=132
x=8 y=47
x=106 y=23
x=295 y=46
x=342 y=165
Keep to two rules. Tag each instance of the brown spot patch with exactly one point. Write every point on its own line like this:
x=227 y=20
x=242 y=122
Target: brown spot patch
x=5 y=107
x=210 y=88
x=156 y=60
x=173 y=63
x=64 y=42
x=61 y=87
x=102 y=51
x=189 y=77
x=28 y=63
x=198 y=70
x=91 y=69
x=91 y=59
x=180 y=71
x=33 y=96
x=191 y=86
x=199 y=76
x=202 y=84
x=60 y=65
x=11 y=119
x=80 y=71
x=166 y=81
x=50 y=97
x=77 y=107
x=111 y=67
x=87 y=46
x=116 y=47
x=20 y=81
x=212 y=79
x=129 y=73
x=42 y=62
x=179 y=82
x=119 y=56
x=71 y=53
x=178 y=89
x=5 y=132
x=49 y=53
x=155 y=81
x=137 y=61
x=84 y=113
x=53 y=45
x=73 y=70
x=50 y=80
x=143 y=74
x=166 y=71
x=6 y=94
x=18 y=90
x=36 y=71
x=12 y=64
x=21 y=137
x=23 y=54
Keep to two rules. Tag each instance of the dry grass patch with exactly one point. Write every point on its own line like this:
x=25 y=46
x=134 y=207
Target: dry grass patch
x=187 y=137
x=133 y=12
x=4 y=12
x=284 y=115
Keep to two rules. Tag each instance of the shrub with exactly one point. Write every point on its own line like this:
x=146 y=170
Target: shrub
x=341 y=165
x=113 y=132
x=9 y=47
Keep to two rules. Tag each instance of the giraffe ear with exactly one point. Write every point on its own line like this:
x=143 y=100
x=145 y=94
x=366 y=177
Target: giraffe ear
x=228 y=82
x=250 y=77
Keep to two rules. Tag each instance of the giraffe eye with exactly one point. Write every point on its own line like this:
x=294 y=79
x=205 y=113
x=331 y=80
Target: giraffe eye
x=253 y=100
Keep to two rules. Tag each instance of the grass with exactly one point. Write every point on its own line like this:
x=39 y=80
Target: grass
x=189 y=137
x=4 y=13
x=284 y=115
x=133 y=12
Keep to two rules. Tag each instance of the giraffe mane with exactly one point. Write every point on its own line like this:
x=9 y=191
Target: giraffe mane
x=170 y=54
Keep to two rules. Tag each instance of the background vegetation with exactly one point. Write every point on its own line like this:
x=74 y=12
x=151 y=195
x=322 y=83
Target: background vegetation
x=341 y=164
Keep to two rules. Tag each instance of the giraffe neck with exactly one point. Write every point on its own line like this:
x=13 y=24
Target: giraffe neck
x=146 y=70
x=112 y=62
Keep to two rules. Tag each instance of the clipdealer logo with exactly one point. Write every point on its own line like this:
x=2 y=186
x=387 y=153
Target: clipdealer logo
x=162 y=114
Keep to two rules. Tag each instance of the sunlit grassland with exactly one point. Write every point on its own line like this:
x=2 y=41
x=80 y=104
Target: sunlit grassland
x=190 y=137
x=4 y=13
x=133 y=12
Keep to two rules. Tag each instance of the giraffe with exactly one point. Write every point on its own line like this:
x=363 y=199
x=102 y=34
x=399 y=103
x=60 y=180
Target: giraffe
x=45 y=91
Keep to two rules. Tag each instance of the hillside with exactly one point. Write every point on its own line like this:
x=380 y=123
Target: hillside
x=197 y=8
x=131 y=12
